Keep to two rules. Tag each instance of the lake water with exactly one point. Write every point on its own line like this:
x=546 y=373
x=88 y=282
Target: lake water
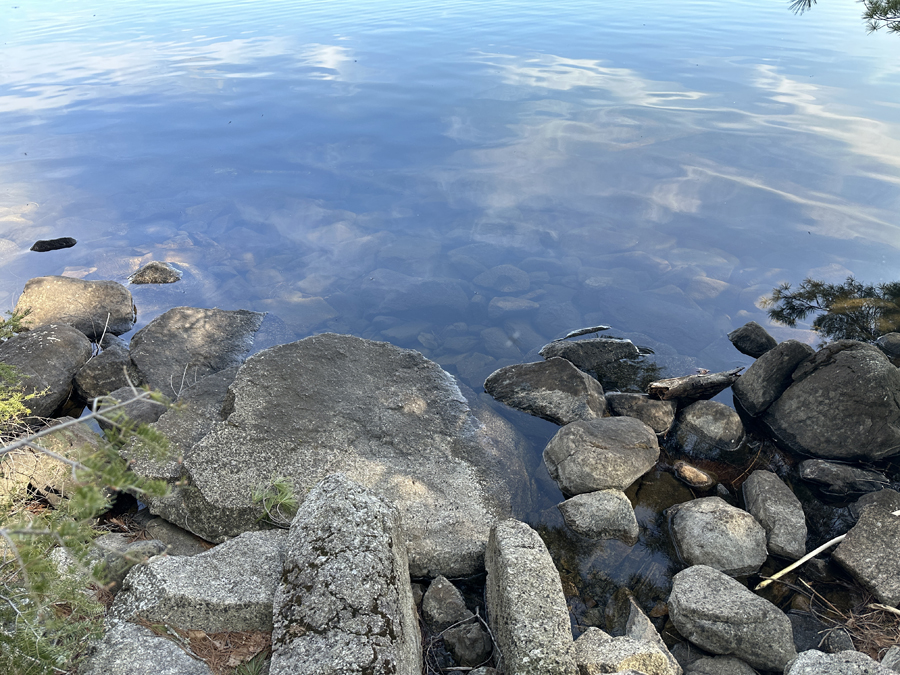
x=364 y=167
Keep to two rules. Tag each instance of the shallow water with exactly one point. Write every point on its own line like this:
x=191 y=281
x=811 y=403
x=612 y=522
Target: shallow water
x=362 y=166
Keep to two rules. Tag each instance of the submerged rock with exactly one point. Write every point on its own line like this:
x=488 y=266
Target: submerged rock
x=708 y=429
x=156 y=273
x=656 y=414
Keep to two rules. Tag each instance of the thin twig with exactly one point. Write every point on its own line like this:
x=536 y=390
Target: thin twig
x=793 y=566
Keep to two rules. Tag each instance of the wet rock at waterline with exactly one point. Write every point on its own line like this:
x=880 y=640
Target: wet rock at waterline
x=344 y=602
x=656 y=414
x=597 y=652
x=720 y=615
x=826 y=413
x=752 y=339
x=44 y=245
x=841 y=479
x=109 y=370
x=778 y=510
x=155 y=272
x=770 y=376
x=711 y=532
x=387 y=417
x=593 y=354
x=92 y=307
x=554 y=390
x=869 y=554
x=604 y=514
x=185 y=344
x=525 y=603
x=609 y=452
x=708 y=429
x=691 y=475
x=46 y=359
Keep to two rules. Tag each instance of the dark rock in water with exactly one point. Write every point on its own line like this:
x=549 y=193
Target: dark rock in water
x=609 y=452
x=591 y=355
x=752 y=339
x=693 y=476
x=656 y=414
x=708 y=429
x=844 y=403
x=778 y=510
x=841 y=479
x=186 y=344
x=890 y=345
x=156 y=273
x=770 y=376
x=93 y=307
x=46 y=357
x=109 y=370
x=869 y=554
x=44 y=245
x=553 y=390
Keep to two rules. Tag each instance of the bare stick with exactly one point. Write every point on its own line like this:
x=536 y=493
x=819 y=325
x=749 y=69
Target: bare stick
x=808 y=556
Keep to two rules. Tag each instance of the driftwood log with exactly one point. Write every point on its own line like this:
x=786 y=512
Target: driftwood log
x=696 y=387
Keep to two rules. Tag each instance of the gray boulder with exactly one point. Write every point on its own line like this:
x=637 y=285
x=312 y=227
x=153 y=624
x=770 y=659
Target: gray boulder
x=639 y=627
x=344 y=602
x=609 y=452
x=719 y=665
x=525 y=603
x=752 y=339
x=656 y=414
x=185 y=344
x=711 y=532
x=887 y=499
x=890 y=345
x=708 y=429
x=92 y=307
x=593 y=354
x=841 y=479
x=814 y=662
x=869 y=554
x=554 y=390
x=892 y=659
x=720 y=615
x=596 y=653
x=155 y=272
x=443 y=605
x=229 y=588
x=46 y=359
x=109 y=370
x=770 y=376
x=778 y=510
x=386 y=417
x=605 y=514
x=844 y=403
x=128 y=649
x=143 y=411
x=468 y=644
x=118 y=555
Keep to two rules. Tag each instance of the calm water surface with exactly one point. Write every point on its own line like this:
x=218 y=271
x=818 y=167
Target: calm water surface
x=363 y=167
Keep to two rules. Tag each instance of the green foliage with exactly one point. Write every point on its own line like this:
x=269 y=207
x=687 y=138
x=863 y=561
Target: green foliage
x=47 y=615
x=882 y=14
x=13 y=410
x=14 y=324
x=278 y=501
x=254 y=666
x=851 y=310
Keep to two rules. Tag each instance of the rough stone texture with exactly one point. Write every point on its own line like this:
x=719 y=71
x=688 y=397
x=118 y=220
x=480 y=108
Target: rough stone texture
x=228 y=588
x=711 y=532
x=128 y=649
x=887 y=499
x=387 y=418
x=708 y=429
x=111 y=369
x=51 y=478
x=605 y=514
x=770 y=376
x=118 y=555
x=841 y=479
x=144 y=411
x=844 y=403
x=610 y=452
x=526 y=607
x=719 y=665
x=752 y=339
x=890 y=345
x=84 y=305
x=443 y=605
x=656 y=414
x=593 y=354
x=178 y=541
x=504 y=279
x=720 y=615
x=892 y=658
x=596 y=653
x=778 y=510
x=869 y=554
x=554 y=390
x=814 y=662
x=639 y=627
x=469 y=644
x=344 y=604
x=46 y=357
x=186 y=344
x=155 y=272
